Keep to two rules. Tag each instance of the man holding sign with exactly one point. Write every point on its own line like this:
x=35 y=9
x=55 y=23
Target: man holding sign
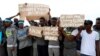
x=70 y=22
x=52 y=36
x=41 y=43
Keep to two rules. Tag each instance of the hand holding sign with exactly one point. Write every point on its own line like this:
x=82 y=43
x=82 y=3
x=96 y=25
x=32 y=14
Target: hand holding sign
x=35 y=31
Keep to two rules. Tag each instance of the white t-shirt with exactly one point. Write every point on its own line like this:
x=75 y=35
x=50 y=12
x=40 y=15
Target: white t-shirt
x=88 y=42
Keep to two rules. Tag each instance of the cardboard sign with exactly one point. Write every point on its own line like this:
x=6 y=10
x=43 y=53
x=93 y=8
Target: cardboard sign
x=52 y=38
x=35 y=31
x=33 y=10
x=51 y=33
x=71 y=20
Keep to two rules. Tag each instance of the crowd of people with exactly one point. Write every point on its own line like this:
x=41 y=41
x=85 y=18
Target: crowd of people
x=72 y=41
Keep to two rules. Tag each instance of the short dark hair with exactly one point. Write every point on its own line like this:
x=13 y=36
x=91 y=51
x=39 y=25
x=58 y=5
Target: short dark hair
x=42 y=18
x=54 y=18
x=88 y=22
x=98 y=18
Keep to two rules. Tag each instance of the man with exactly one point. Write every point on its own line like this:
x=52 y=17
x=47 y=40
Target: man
x=35 y=52
x=69 y=42
x=53 y=47
x=25 y=43
x=42 y=45
x=89 y=39
x=34 y=40
x=2 y=39
x=11 y=38
x=97 y=28
x=16 y=22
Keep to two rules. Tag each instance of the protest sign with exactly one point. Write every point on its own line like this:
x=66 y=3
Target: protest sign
x=33 y=11
x=51 y=33
x=75 y=20
x=35 y=31
x=52 y=38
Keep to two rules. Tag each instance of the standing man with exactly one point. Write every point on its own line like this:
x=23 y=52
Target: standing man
x=53 y=47
x=11 y=38
x=90 y=39
x=25 y=43
x=42 y=46
x=96 y=27
x=69 y=43
x=2 y=39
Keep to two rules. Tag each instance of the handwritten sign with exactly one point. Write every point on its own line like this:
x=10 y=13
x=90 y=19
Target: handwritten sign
x=51 y=33
x=33 y=10
x=35 y=31
x=71 y=20
x=53 y=38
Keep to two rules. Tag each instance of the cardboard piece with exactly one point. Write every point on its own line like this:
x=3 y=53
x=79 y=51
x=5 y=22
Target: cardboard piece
x=75 y=20
x=51 y=33
x=32 y=11
x=35 y=31
x=52 y=38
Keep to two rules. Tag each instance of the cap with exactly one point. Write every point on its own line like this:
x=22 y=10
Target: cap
x=20 y=21
x=8 y=20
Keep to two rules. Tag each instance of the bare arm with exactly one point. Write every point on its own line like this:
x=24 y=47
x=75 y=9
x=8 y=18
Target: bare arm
x=97 y=48
x=79 y=32
x=68 y=37
x=14 y=16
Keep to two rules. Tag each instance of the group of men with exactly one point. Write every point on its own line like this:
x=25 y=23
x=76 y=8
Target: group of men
x=72 y=41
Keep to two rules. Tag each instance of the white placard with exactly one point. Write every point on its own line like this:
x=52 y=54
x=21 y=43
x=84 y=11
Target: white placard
x=75 y=20
x=52 y=38
x=50 y=31
x=33 y=10
x=35 y=31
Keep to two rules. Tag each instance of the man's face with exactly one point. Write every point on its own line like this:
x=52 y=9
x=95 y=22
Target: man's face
x=54 y=22
x=98 y=24
x=42 y=22
x=7 y=24
x=15 y=20
x=88 y=27
x=21 y=26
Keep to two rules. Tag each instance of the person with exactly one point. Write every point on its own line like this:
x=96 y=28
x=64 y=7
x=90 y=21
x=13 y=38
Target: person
x=53 y=46
x=88 y=36
x=96 y=27
x=2 y=39
x=11 y=38
x=42 y=45
x=78 y=41
x=25 y=43
x=5 y=37
x=69 y=42
x=16 y=22
x=34 y=40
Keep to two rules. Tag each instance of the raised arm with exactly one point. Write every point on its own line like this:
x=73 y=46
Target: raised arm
x=14 y=16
